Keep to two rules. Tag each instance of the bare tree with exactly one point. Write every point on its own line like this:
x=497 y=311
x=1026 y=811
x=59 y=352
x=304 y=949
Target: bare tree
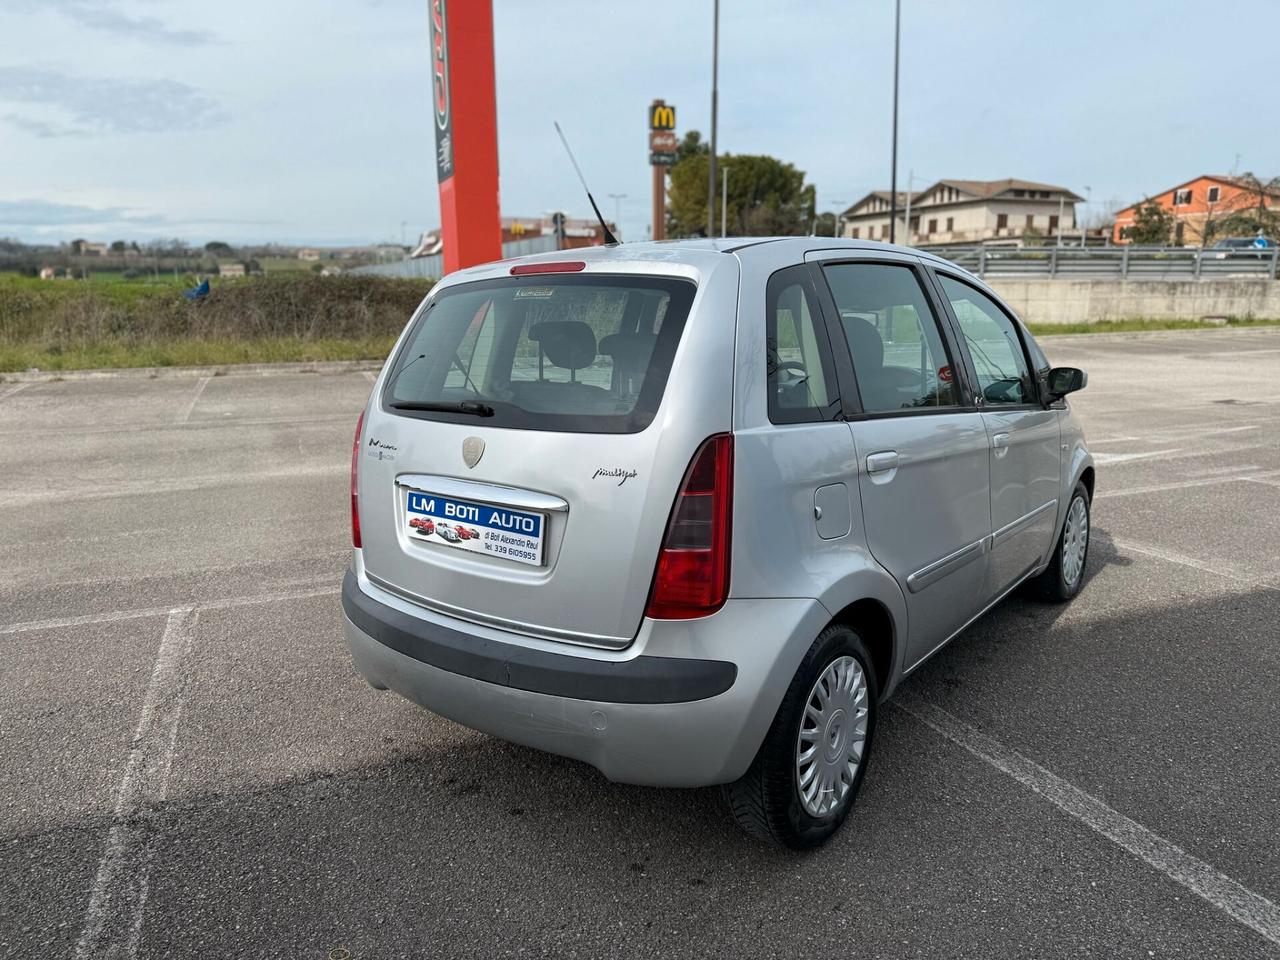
x=1254 y=210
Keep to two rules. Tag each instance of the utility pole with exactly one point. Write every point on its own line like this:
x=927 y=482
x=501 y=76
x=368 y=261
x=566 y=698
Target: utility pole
x=617 y=208
x=1088 y=195
x=715 y=71
x=911 y=179
x=724 y=201
x=893 y=174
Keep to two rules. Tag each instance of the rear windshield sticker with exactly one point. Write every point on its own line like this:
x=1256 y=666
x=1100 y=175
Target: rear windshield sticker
x=530 y=292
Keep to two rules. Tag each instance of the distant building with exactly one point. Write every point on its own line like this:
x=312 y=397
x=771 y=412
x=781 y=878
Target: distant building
x=1195 y=205
x=231 y=269
x=308 y=253
x=83 y=248
x=966 y=211
x=573 y=233
x=429 y=244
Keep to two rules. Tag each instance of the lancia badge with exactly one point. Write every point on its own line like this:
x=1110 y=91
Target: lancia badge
x=472 y=450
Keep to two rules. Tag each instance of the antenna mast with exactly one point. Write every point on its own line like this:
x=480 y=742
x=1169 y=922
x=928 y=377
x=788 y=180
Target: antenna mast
x=609 y=238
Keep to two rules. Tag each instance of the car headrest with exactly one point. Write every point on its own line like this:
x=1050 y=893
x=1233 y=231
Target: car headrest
x=864 y=343
x=567 y=343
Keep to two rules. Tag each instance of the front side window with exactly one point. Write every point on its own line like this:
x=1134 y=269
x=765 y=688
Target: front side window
x=899 y=359
x=585 y=353
x=801 y=380
x=992 y=340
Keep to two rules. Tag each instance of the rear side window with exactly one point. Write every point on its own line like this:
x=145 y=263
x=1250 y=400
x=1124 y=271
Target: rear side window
x=585 y=354
x=992 y=340
x=801 y=380
x=899 y=357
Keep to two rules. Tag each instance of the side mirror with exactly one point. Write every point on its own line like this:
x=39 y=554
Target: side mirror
x=1064 y=380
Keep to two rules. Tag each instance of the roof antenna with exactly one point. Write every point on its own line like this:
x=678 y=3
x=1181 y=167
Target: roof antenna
x=609 y=238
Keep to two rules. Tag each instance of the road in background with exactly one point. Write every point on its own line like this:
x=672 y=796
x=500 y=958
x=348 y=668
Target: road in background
x=191 y=767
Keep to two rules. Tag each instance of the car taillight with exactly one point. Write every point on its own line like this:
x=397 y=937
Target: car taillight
x=355 y=490
x=692 y=577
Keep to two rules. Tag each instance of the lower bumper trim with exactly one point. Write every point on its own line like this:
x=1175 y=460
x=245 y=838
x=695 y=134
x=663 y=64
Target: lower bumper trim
x=638 y=680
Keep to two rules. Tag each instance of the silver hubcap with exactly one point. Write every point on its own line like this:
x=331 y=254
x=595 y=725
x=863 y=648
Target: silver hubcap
x=1075 y=541
x=833 y=734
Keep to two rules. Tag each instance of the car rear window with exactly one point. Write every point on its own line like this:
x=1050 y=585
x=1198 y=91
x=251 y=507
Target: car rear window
x=585 y=354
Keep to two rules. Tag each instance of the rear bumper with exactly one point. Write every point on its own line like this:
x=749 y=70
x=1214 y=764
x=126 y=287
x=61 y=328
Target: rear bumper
x=686 y=705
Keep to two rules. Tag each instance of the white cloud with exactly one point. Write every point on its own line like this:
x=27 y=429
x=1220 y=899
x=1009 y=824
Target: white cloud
x=104 y=105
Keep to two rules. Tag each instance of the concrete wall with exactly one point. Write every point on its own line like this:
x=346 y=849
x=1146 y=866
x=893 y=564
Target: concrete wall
x=1088 y=301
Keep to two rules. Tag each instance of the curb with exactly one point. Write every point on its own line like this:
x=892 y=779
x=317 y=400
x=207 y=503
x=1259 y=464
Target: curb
x=1267 y=328
x=214 y=370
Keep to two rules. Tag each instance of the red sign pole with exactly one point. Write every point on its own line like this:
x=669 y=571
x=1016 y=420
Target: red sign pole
x=465 y=108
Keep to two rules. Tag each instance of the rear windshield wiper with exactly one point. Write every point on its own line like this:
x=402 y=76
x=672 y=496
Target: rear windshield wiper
x=440 y=406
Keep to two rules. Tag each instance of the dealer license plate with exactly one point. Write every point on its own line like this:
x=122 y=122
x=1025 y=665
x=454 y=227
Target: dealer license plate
x=516 y=535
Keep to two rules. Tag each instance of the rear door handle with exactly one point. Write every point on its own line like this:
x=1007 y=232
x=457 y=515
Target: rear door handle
x=882 y=462
x=1000 y=444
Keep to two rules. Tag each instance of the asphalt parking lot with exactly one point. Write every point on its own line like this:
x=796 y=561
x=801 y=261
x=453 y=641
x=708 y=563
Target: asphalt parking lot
x=190 y=767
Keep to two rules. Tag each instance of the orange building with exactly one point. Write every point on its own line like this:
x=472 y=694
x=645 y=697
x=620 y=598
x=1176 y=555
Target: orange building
x=1195 y=205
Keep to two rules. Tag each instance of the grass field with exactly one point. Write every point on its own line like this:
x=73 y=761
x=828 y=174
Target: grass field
x=66 y=325
x=1139 y=325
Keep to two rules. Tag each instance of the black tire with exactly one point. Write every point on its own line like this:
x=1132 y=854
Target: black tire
x=766 y=801
x=1052 y=585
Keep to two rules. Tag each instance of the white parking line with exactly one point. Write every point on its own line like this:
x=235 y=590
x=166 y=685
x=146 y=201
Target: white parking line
x=185 y=414
x=8 y=392
x=182 y=484
x=373 y=377
x=1172 y=556
x=1217 y=889
x=119 y=890
x=1182 y=484
x=1114 y=458
x=111 y=616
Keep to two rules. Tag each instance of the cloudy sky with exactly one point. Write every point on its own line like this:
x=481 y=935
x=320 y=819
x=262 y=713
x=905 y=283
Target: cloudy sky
x=309 y=120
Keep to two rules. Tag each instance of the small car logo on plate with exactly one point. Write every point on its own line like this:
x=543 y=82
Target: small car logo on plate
x=472 y=450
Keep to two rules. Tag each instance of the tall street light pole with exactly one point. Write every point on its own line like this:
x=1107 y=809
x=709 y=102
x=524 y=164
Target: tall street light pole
x=1084 y=221
x=723 y=201
x=617 y=208
x=893 y=174
x=715 y=70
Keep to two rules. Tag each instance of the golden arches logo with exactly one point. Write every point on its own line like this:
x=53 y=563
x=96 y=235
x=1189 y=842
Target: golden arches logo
x=662 y=117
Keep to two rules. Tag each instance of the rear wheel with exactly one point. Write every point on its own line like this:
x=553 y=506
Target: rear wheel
x=1061 y=580
x=804 y=779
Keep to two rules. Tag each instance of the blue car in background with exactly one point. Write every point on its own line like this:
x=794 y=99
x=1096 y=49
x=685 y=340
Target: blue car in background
x=1244 y=246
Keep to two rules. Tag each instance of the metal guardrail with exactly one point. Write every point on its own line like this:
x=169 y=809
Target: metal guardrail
x=432 y=268
x=1123 y=262
x=1126 y=262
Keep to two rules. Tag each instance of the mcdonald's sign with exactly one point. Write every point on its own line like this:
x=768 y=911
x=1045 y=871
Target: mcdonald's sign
x=662 y=116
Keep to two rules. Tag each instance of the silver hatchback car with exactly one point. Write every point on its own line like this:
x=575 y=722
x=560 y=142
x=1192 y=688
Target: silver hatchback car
x=690 y=511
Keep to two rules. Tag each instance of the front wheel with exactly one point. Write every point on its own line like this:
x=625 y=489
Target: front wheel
x=1061 y=580
x=804 y=779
